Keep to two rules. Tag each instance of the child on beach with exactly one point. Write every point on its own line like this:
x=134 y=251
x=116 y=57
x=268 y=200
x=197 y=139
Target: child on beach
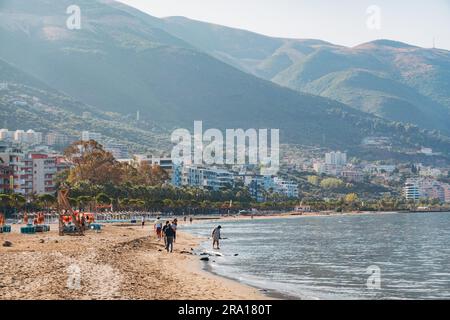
x=216 y=236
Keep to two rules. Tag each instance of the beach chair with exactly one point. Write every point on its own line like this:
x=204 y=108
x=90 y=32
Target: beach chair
x=42 y=228
x=29 y=229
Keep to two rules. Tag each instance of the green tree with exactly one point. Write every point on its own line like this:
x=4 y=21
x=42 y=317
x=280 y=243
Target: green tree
x=47 y=200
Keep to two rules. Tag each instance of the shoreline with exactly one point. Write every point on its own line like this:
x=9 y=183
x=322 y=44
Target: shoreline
x=119 y=263
x=273 y=293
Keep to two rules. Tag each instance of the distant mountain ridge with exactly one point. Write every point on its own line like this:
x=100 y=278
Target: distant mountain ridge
x=391 y=79
x=121 y=62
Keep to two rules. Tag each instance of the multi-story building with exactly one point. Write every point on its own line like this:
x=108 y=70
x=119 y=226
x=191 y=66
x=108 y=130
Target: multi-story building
x=25 y=175
x=164 y=162
x=202 y=177
x=30 y=137
x=412 y=190
x=260 y=186
x=44 y=173
x=374 y=169
x=447 y=193
x=32 y=173
x=329 y=169
x=12 y=157
x=352 y=175
x=5 y=134
x=6 y=176
x=285 y=187
x=424 y=188
x=58 y=140
x=336 y=158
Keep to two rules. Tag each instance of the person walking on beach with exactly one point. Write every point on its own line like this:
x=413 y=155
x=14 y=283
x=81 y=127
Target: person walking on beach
x=190 y=220
x=158 y=228
x=164 y=232
x=170 y=233
x=174 y=228
x=216 y=236
x=142 y=222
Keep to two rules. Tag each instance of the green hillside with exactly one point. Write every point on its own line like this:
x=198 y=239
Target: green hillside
x=119 y=63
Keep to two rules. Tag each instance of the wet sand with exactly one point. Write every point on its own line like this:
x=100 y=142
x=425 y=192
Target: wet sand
x=120 y=262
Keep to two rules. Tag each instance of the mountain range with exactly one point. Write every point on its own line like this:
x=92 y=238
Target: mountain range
x=390 y=79
x=174 y=71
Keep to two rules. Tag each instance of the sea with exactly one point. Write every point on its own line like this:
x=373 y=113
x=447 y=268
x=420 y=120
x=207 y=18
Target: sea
x=361 y=256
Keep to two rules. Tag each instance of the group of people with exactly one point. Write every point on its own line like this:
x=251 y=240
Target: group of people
x=168 y=232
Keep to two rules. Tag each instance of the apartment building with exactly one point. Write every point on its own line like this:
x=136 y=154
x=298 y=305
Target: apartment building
x=6 y=175
x=164 y=162
x=30 y=173
x=202 y=177
x=260 y=186
x=424 y=188
x=30 y=137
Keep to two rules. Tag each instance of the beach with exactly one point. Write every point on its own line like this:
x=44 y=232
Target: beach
x=120 y=262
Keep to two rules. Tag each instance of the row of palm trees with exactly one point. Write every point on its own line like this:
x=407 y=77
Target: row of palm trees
x=195 y=201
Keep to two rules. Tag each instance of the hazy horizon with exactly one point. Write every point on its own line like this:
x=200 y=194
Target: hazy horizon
x=344 y=23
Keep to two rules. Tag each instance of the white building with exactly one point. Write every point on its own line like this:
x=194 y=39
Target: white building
x=329 y=169
x=260 y=185
x=424 y=188
x=411 y=190
x=336 y=158
x=285 y=187
x=164 y=162
x=30 y=137
x=44 y=174
x=5 y=134
x=202 y=177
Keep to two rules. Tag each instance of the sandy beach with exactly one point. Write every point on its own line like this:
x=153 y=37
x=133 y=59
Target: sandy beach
x=120 y=262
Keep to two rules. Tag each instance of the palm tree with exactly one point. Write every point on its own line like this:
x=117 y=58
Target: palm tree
x=47 y=200
x=84 y=201
x=5 y=201
x=102 y=198
x=18 y=201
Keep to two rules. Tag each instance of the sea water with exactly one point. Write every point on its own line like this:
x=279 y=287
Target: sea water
x=374 y=256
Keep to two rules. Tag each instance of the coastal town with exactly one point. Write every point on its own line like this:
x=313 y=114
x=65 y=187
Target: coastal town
x=32 y=164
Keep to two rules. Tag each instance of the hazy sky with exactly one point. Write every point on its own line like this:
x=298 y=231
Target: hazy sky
x=339 y=21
